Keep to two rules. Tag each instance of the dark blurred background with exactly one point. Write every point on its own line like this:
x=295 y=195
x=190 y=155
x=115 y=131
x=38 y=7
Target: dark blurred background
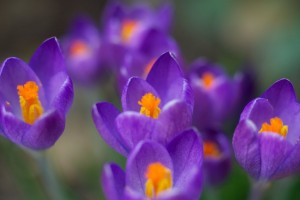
x=262 y=34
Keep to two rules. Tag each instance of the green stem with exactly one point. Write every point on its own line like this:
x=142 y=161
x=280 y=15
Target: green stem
x=49 y=177
x=258 y=188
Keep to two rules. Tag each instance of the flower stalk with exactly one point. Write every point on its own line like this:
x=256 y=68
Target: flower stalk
x=51 y=183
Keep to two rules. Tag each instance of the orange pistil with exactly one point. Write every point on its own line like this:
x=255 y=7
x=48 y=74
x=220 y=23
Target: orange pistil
x=30 y=104
x=128 y=28
x=276 y=126
x=159 y=179
x=149 y=105
x=210 y=149
x=207 y=79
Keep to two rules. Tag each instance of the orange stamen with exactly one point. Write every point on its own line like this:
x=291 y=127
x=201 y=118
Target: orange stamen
x=78 y=47
x=207 y=79
x=276 y=126
x=210 y=149
x=30 y=104
x=128 y=28
x=159 y=179
x=149 y=105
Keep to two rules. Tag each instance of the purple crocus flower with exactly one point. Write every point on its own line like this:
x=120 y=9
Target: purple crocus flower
x=157 y=172
x=35 y=97
x=266 y=140
x=217 y=157
x=82 y=48
x=216 y=94
x=157 y=108
x=139 y=63
x=127 y=27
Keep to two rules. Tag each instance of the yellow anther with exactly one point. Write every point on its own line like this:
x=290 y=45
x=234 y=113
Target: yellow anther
x=159 y=179
x=149 y=105
x=30 y=104
x=276 y=126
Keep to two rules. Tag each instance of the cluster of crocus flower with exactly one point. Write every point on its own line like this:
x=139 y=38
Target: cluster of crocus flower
x=35 y=97
x=157 y=100
x=133 y=37
x=166 y=157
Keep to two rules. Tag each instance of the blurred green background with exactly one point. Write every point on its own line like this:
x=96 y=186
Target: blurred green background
x=264 y=33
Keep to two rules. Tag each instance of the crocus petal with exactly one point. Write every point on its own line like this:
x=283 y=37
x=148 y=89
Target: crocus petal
x=104 y=115
x=246 y=147
x=131 y=194
x=139 y=11
x=165 y=15
x=259 y=111
x=84 y=67
x=225 y=95
x=291 y=117
x=1 y=128
x=186 y=151
x=145 y=153
x=202 y=65
x=131 y=66
x=290 y=165
x=167 y=79
x=13 y=127
x=83 y=27
x=15 y=72
x=64 y=94
x=133 y=92
x=157 y=42
x=113 y=11
x=113 y=181
x=134 y=127
x=246 y=82
x=1 y=103
x=41 y=135
x=174 y=118
x=45 y=131
x=47 y=62
x=216 y=169
x=280 y=94
x=204 y=111
x=174 y=194
x=273 y=150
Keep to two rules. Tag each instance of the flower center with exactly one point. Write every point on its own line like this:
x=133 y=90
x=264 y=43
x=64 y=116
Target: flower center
x=128 y=27
x=78 y=48
x=30 y=104
x=159 y=179
x=149 y=105
x=148 y=67
x=207 y=79
x=210 y=149
x=276 y=126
